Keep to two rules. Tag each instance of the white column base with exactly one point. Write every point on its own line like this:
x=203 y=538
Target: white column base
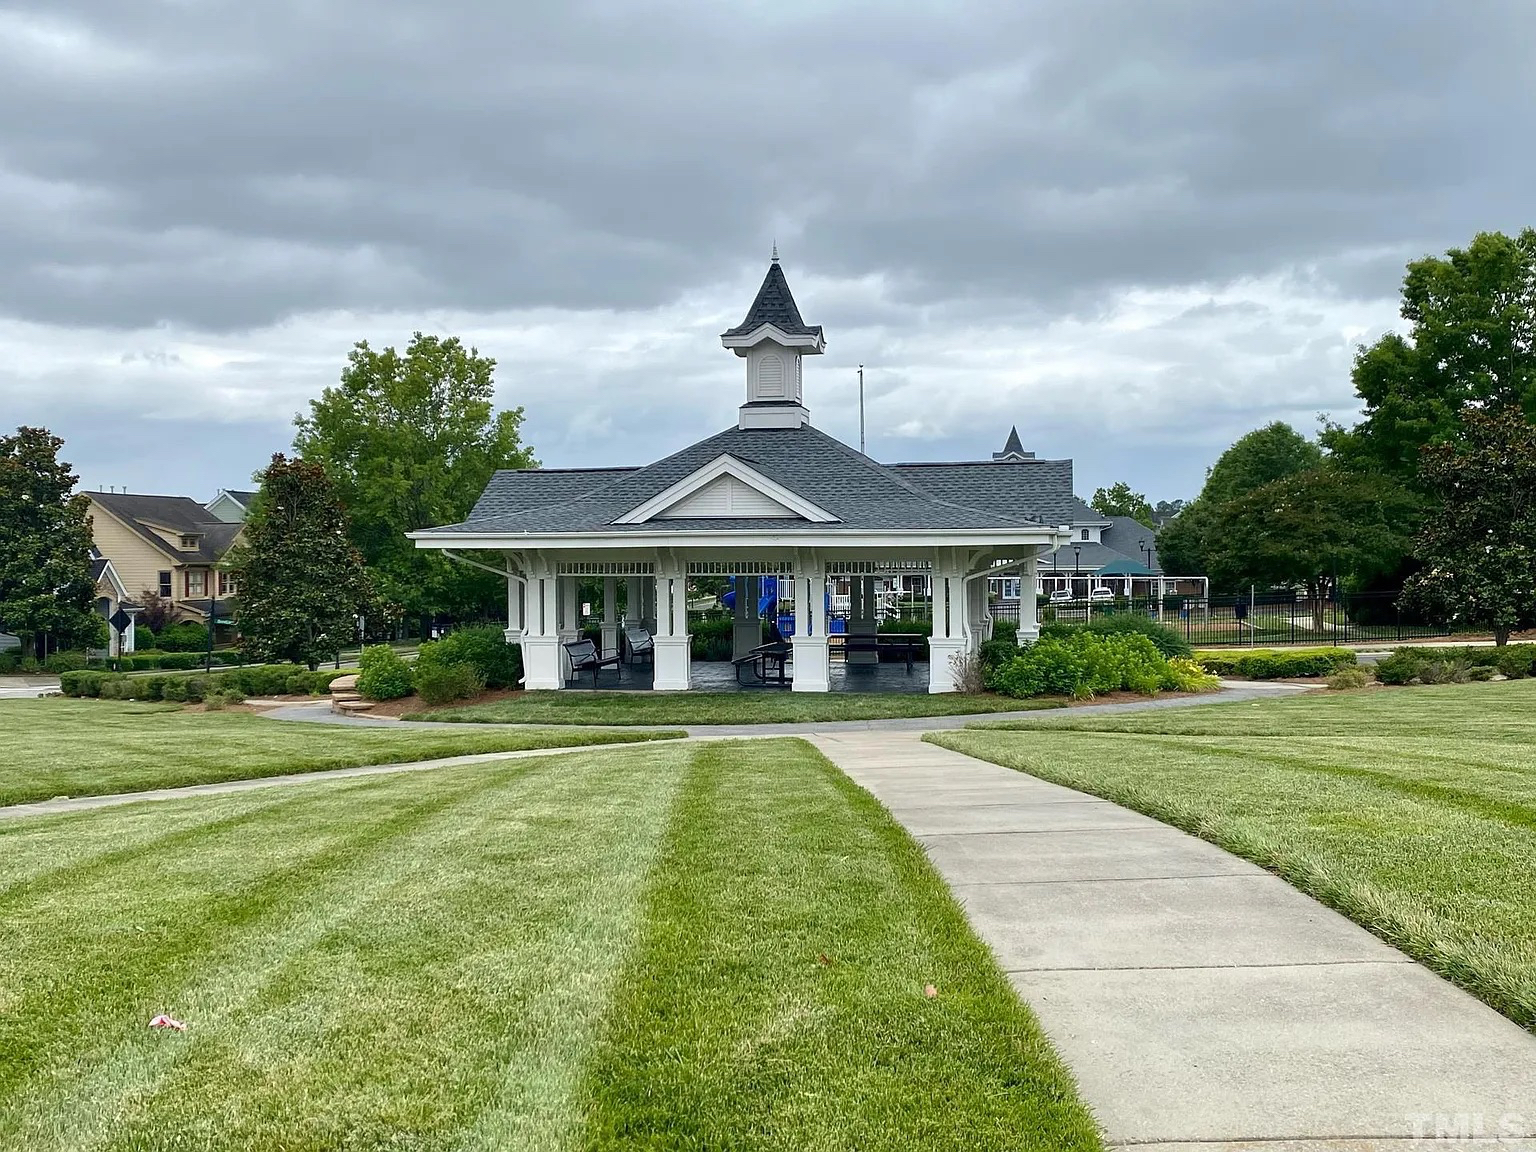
x=1028 y=633
x=812 y=671
x=672 y=656
x=543 y=663
x=941 y=675
x=745 y=636
x=610 y=639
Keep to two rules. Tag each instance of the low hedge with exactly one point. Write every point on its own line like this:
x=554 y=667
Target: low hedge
x=1456 y=664
x=1277 y=664
x=1085 y=664
x=258 y=680
x=1163 y=638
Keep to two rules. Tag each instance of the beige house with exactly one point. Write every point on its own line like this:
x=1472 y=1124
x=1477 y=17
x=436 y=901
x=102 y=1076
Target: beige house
x=168 y=546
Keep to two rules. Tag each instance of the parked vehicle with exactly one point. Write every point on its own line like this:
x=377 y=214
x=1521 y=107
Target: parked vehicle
x=1101 y=594
x=1061 y=596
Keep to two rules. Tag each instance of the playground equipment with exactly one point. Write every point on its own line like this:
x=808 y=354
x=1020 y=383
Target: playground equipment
x=768 y=606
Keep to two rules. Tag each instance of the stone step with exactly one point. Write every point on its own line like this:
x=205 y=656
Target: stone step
x=351 y=705
x=344 y=684
x=340 y=697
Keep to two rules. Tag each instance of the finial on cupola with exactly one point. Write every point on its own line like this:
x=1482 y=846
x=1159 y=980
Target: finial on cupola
x=775 y=252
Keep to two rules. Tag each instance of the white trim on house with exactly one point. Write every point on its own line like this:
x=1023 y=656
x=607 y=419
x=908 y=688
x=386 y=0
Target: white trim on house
x=683 y=498
x=815 y=341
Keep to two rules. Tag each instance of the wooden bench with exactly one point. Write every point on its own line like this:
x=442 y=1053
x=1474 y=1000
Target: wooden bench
x=773 y=654
x=638 y=643
x=585 y=657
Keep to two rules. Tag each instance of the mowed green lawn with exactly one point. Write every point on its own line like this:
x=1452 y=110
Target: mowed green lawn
x=1411 y=810
x=767 y=706
x=671 y=946
x=61 y=747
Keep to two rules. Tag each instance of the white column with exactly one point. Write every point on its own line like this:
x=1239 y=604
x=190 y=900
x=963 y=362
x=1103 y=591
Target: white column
x=648 y=593
x=671 y=633
x=948 y=639
x=812 y=673
x=633 y=595
x=1029 y=623
x=861 y=617
x=543 y=658
x=610 y=615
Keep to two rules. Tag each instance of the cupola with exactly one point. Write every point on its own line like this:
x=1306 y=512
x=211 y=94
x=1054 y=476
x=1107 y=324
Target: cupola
x=771 y=340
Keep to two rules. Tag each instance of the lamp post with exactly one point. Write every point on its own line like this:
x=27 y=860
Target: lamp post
x=213 y=618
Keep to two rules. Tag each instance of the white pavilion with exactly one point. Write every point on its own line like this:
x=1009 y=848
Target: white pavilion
x=772 y=496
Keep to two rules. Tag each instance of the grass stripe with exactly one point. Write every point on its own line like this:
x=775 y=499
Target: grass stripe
x=729 y=1030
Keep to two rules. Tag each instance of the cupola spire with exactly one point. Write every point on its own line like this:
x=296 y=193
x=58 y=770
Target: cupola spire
x=772 y=339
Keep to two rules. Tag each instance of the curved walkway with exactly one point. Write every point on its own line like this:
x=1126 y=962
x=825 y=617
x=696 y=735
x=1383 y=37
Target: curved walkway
x=1197 y=998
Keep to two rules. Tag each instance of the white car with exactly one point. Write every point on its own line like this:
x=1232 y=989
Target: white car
x=1061 y=596
x=1101 y=594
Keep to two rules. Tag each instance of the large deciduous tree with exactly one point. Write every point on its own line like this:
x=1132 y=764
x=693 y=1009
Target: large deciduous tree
x=1308 y=529
x=302 y=581
x=45 y=546
x=1478 y=554
x=1261 y=457
x=410 y=442
x=1471 y=346
x=1119 y=500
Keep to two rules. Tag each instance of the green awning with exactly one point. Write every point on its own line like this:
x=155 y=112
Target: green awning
x=1126 y=567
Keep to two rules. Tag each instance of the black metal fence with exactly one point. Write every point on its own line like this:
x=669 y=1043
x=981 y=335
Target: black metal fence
x=1260 y=620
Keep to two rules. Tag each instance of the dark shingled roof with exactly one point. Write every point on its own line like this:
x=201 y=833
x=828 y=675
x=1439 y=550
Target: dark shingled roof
x=774 y=305
x=180 y=514
x=861 y=493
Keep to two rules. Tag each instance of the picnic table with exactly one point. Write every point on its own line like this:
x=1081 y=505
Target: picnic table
x=773 y=656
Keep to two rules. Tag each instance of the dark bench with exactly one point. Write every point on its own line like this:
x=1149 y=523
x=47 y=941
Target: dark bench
x=585 y=657
x=909 y=642
x=775 y=654
x=639 y=645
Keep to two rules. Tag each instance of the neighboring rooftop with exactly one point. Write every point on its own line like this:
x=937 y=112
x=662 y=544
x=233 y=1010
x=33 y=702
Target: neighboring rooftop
x=179 y=514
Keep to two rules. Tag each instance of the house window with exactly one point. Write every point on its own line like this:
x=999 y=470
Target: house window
x=229 y=583
x=197 y=583
x=165 y=585
x=1085 y=533
x=189 y=543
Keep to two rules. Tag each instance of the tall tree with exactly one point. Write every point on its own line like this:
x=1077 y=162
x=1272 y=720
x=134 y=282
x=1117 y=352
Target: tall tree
x=302 y=584
x=410 y=441
x=1471 y=346
x=1262 y=456
x=45 y=546
x=1119 y=500
x=1479 y=552
x=1309 y=529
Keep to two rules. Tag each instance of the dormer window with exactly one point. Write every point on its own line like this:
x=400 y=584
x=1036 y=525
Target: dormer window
x=189 y=543
x=1085 y=533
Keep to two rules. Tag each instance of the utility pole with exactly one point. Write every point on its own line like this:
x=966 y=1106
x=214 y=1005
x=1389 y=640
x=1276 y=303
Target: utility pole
x=861 y=411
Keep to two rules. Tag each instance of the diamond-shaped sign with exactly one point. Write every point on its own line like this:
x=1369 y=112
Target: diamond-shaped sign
x=120 y=621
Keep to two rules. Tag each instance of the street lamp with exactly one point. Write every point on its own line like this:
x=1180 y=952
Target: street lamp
x=1077 y=564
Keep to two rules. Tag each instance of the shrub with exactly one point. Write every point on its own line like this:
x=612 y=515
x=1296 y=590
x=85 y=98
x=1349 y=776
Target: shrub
x=444 y=683
x=65 y=662
x=1165 y=639
x=1346 y=678
x=175 y=689
x=1084 y=664
x=148 y=687
x=81 y=683
x=115 y=688
x=1515 y=661
x=177 y=661
x=994 y=656
x=486 y=651
x=214 y=702
x=184 y=636
x=1445 y=671
x=965 y=670
x=232 y=695
x=382 y=674
x=1272 y=664
x=1185 y=675
x=197 y=688
x=1006 y=630
x=1402 y=667
x=9 y=662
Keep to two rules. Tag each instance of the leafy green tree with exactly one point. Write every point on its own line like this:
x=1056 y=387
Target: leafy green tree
x=46 y=588
x=1119 y=500
x=410 y=442
x=1264 y=455
x=302 y=582
x=1471 y=346
x=1479 y=552
x=1308 y=529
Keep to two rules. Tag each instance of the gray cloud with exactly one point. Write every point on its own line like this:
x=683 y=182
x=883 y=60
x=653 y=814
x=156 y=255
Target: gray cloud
x=935 y=172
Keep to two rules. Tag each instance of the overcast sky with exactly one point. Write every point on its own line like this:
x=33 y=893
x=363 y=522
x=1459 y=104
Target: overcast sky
x=1134 y=229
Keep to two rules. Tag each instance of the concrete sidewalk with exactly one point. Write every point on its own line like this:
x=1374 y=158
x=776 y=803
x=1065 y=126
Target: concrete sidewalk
x=1197 y=998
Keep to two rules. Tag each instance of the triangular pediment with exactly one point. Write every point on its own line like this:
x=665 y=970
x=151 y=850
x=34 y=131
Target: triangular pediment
x=726 y=489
